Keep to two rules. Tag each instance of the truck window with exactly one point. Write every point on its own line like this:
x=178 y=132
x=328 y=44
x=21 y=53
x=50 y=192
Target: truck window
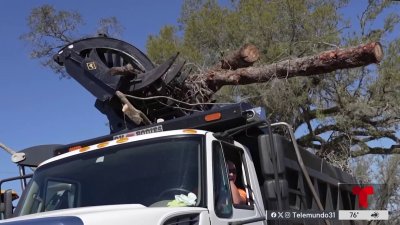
x=149 y=172
x=222 y=194
x=60 y=195
x=236 y=167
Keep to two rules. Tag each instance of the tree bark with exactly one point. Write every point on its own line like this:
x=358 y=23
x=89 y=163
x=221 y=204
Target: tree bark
x=324 y=62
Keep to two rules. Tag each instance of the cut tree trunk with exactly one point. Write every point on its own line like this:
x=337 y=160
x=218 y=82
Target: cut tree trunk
x=246 y=56
x=324 y=62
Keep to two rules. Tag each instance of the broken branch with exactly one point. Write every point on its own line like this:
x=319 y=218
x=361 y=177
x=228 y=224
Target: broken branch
x=130 y=111
x=128 y=69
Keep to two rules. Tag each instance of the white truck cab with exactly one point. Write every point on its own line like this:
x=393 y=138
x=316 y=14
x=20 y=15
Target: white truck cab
x=164 y=174
x=144 y=179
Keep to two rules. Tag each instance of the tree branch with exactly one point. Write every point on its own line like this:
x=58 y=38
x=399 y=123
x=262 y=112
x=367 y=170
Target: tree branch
x=129 y=110
x=378 y=134
x=375 y=150
x=325 y=112
x=128 y=69
x=324 y=62
x=375 y=123
x=308 y=138
x=318 y=131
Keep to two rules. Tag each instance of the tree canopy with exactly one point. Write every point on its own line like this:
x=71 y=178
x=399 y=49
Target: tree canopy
x=50 y=29
x=339 y=114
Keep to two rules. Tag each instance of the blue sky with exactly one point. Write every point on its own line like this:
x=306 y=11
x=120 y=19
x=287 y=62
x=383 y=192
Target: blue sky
x=39 y=108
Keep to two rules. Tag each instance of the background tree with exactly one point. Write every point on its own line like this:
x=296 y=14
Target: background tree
x=338 y=115
x=381 y=170
x=50 y=29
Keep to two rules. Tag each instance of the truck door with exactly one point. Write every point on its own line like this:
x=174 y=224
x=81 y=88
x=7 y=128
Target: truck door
x=223 y=208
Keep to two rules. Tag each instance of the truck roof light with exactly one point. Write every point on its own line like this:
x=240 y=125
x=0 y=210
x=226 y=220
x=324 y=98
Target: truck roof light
x=212 y=117
x=102 y=145
x=122 y=140
x=84 y=149
x=189 y=131
x=74 y=148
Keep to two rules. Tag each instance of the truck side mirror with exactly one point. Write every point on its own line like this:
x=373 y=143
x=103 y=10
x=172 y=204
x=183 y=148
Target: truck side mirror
x=274 y=183
x=271 y=154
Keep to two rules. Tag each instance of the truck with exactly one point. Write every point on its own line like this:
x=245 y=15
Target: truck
x=172 y=170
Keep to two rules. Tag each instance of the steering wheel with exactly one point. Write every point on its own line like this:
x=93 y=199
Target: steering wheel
x=173 y=191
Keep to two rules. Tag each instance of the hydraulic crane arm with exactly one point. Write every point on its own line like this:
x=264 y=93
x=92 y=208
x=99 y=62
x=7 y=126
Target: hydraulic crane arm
x=92 y=62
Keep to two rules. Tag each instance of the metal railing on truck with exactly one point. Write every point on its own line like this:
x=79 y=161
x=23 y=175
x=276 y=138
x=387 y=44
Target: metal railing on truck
x=295 y=193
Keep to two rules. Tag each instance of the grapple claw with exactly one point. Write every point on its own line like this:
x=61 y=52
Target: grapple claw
x=105 y=65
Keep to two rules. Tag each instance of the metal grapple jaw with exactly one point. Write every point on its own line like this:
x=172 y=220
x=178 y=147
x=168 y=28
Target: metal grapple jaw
x=105 y=65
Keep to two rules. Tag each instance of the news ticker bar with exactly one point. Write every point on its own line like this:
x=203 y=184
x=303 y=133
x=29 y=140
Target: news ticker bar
x=328 y=215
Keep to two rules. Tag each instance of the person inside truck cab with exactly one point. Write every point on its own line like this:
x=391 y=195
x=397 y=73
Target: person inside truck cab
x=238 y=194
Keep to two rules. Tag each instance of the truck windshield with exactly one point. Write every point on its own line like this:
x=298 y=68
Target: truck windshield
x=149 y=173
